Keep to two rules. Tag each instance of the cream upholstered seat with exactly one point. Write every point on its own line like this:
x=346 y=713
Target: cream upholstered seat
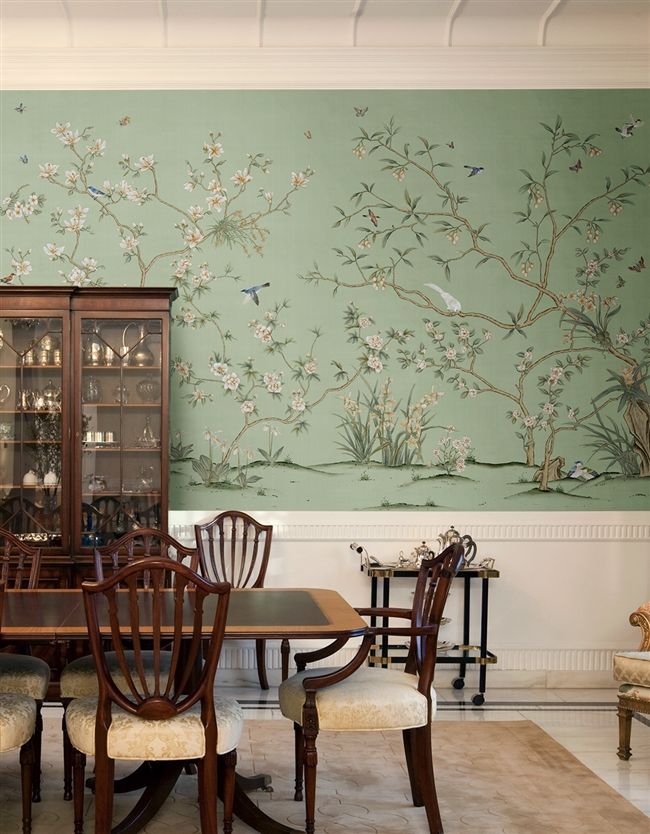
x=632 y=670
x=161 y=714
x=177 y=738
x=370 y=699
x=79 y=677
x=17 y=726
x=23 y=674
x=356 y=698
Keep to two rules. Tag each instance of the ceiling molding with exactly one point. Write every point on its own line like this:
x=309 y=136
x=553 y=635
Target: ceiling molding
x=325 y=68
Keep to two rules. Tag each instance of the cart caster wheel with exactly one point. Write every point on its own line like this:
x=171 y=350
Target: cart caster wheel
x=478 y=700
x=458 y=683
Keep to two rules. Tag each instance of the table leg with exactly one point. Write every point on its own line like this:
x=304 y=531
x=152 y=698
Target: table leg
x=162 y=778
x=384 y=623
x=247 y=811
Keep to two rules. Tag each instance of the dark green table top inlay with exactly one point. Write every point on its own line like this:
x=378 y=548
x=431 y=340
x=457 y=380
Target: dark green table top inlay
x=281 y=608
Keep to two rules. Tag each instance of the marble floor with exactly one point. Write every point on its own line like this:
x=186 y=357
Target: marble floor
x=583 y=721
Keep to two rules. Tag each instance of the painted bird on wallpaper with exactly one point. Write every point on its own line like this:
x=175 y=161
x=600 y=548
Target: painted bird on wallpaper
x=628 y=128
x=7 y=279
x=96 y=192
x=374 y=218
x=252 y=292
x=581 y=472
x=452 y=303
x=474 y=170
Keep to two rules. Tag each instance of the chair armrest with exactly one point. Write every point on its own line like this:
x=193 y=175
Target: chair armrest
x=315 y=682
x=404 y=613
x=641 y=618
x=303 y=658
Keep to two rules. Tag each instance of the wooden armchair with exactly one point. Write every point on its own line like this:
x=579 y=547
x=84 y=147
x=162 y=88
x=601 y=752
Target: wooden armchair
x=358 y=697
x=167 y=711
x=234 y=547
x=22 y=674
x=632 y=669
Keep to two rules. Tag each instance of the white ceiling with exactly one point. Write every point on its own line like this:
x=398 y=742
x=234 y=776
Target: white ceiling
x=134 y=24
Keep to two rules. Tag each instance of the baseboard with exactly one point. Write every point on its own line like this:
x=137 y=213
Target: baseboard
x=543 y=668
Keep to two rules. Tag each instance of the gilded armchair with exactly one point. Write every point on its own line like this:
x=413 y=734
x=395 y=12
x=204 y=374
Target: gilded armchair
x=632 y=670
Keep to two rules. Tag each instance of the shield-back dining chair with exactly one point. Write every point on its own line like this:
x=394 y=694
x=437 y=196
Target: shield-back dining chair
x=234 y=547
x=79 y=678
x=358 y=697
x=165 y=712
x=23 y=674
x=17 y=727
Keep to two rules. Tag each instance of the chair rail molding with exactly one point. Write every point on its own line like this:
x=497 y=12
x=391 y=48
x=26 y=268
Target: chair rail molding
x=299 y=68
x=408 y=527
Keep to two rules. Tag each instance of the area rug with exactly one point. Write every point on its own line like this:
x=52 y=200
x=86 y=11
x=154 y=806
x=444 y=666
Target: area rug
x=492 y=778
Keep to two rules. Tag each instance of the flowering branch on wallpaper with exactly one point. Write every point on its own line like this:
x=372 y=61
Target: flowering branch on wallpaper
x=265 y=399
x=219 y=215
x=455 y=341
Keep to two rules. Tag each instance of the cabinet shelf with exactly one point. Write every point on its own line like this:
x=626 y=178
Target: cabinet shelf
x=130 y=368
x=129 y=449
x=120 y=405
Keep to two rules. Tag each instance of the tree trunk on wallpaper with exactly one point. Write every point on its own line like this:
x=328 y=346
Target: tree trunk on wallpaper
x=637 y=417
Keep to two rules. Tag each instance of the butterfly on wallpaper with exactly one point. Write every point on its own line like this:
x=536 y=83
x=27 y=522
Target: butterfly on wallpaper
x=20 y=108
x=620 y=283
x=450 y=144
x=638 y=266
x=24 y=158
x=308 y=134
x=360 y=111
x=628 y=128
x=374 y=218
x=577 y=167
x=125 y=120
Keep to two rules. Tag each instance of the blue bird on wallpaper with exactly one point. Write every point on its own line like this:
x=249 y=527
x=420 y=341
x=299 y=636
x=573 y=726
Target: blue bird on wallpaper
x=474 y=170
x=96 y=192
x=251 y=292
x=581 y=472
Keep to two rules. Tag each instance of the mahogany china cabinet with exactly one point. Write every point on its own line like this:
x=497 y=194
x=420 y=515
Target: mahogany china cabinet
x=84 y=404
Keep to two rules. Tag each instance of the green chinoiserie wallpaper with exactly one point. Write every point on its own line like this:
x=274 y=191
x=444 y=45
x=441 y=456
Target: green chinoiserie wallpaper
x=387 y=299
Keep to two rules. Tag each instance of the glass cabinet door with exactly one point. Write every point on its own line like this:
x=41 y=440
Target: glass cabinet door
x=31 y=428
x=120 y=428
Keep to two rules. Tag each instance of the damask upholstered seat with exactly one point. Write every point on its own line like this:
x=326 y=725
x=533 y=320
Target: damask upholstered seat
x=160 y=715
x=632 y=670
x=23 y=674
x=362 y=698
x=18 y=721
x=17 y=725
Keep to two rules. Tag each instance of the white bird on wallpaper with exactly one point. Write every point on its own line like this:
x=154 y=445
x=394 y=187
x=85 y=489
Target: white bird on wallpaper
x=452 y=303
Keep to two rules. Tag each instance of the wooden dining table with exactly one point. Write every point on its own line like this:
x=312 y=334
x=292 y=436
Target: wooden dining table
x=52 y=615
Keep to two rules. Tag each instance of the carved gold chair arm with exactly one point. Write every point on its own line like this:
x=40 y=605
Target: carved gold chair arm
x=641 y=618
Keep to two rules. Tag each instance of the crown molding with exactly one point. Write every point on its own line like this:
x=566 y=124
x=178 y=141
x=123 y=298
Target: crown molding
x=442 y=68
